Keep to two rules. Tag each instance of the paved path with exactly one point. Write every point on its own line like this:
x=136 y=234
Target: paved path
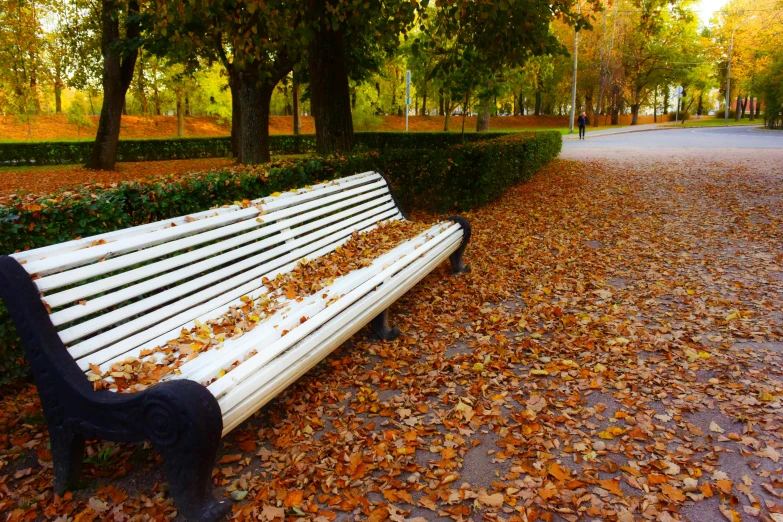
x=668 y=137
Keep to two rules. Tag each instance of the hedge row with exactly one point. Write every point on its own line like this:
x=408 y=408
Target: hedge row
x=75 y=152
x=450 y=179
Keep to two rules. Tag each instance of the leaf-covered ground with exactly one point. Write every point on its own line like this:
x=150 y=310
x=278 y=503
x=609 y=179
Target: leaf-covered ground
x=34 y=181
x=616 y=353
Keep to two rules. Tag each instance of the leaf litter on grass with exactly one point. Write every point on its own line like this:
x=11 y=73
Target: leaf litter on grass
x=611 y=317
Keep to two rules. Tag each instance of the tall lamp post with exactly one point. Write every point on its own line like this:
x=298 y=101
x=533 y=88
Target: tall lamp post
x=728 y=70
x=573 y=81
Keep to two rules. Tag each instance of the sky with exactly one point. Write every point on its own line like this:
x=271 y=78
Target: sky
x=706 y=8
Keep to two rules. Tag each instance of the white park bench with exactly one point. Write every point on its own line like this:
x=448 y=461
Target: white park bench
x=100 y=300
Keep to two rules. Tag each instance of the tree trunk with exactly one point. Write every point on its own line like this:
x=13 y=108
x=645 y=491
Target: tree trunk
x=124 y=105
x=440 y=100
x=254 y=102
x=482 y=122
x=329 y=91
x=447 y=113
x=180 y=117
x=117 y=75
x=424 y=103
x=758 y=109
x=752 y=102
x=738 y=108
x=635 y=114
x=744 y=106
x=538 y=103
x=236 y=114
x=297 y=109
x=666 y=101
x=58 y=97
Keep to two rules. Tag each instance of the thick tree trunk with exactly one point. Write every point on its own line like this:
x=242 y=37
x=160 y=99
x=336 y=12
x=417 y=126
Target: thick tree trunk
x=666 y=101
x=538 y=103
x=124 y=105
x=180 y=117
x=635 y=114
x=752 y=102
x=744 y=105
x=737 y=112
x=254 y=101
x=329 y=91
x=117 y=75
x=424 y=103
x=482 y=122
x=758 y=109
x=440 y=100
x=297 y=109
x=447 y=114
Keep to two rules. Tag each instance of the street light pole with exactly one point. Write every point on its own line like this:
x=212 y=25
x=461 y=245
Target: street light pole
x=573 y=83
x=728 y=79
x=728 y=67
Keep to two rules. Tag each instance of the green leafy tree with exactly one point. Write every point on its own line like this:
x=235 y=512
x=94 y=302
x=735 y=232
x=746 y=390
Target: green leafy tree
x=77 y=114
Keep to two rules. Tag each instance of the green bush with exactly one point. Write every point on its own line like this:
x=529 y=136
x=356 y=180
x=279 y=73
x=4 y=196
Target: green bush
x=462 y=176
x=443 y=179
x=76 y=152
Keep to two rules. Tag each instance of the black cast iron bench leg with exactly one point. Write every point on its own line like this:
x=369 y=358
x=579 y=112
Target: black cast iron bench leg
x=182 y=418
x=457 y=263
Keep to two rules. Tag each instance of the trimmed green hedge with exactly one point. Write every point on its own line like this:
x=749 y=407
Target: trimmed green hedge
x=446 y=179
x=76 y=152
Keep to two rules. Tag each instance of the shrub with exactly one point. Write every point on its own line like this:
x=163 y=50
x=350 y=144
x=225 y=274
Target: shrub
x=75 y=152
x=443 y=179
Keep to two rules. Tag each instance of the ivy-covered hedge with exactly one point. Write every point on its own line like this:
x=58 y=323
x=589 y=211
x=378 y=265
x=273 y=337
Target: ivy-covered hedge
x=76 y=152
x=448 y=178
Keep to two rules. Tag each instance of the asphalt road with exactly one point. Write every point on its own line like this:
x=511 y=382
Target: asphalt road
x=701 y=138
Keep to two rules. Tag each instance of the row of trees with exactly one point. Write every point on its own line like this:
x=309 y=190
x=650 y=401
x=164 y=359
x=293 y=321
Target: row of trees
x=346 y=59
x=324 y=43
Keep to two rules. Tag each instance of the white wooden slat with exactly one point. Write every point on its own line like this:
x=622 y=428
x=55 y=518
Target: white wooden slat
x=288 y=199
x=89 y=255
x=108 y=352
x=191 y=267
x=233 y=274
x=208 y=365
x=263 y=251
x=224 y=303
x=356 y=196
x=298 y=361
x=117 y=235
x=258 y=389
x=242 y=377
x=170 y=329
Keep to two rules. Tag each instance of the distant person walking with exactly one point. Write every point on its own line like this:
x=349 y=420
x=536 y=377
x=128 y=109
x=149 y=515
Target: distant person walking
x=582 y=123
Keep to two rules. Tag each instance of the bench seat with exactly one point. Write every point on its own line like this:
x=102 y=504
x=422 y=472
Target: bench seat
x=85 y=306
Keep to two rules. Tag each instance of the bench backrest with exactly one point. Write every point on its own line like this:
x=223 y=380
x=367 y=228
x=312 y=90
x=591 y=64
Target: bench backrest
x=113 y=295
